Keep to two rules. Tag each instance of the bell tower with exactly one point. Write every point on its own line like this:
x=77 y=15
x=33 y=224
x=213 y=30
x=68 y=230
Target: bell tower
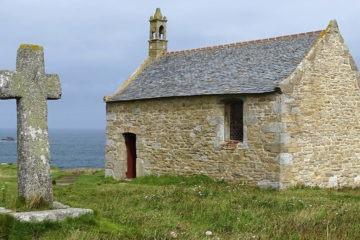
x=157 y=40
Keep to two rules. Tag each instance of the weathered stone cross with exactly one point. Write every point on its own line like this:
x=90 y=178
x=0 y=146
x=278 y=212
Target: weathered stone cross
x=31 y=88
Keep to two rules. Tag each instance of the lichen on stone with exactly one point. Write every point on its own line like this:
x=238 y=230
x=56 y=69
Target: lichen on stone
x=31 y=86
x=32 y=47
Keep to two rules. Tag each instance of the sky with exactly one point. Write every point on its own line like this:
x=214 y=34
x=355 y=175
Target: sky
x=95 y=45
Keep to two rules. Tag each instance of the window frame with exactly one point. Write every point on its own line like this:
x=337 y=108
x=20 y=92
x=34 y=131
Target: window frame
x=229 y=107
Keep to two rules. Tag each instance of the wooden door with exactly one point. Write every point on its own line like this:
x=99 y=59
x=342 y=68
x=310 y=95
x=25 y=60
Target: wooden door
x=130 y=142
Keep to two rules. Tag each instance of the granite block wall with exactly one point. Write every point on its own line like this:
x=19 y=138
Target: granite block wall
x=321 y=114
x=187 y=136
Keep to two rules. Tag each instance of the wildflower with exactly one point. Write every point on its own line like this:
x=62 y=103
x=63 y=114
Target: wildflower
x=173 y=234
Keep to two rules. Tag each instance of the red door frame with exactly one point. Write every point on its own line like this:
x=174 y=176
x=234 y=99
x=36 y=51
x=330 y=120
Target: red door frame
x=130 y=142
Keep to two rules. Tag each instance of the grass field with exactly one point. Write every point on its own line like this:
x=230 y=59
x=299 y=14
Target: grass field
x=171 y=207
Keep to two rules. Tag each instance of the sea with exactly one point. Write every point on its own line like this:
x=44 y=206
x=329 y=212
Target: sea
x=69 y=148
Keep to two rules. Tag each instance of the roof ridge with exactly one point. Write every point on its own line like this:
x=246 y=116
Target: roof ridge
x=264 y=40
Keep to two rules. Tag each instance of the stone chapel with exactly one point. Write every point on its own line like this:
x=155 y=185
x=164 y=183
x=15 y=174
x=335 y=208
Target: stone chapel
x=275 y=112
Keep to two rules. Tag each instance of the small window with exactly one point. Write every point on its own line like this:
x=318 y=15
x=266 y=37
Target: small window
x=236 y=125
x=162 y=32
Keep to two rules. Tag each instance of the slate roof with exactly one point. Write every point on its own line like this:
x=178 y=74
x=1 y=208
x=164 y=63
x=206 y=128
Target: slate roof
x=240 y=68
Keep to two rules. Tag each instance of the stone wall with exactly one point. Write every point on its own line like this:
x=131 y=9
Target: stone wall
x=307 y=135
x=186 y=136
x=320 y=110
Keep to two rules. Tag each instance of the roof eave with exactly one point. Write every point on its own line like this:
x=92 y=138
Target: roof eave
x=275 y=90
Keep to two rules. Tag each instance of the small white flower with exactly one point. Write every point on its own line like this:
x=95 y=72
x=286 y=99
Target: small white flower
x=173 y=234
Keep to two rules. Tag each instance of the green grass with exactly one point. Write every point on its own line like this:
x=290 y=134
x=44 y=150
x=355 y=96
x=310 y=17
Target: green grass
x=153 y=207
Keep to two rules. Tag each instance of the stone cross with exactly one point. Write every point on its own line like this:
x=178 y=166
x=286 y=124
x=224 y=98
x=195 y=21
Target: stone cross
x=31 y=88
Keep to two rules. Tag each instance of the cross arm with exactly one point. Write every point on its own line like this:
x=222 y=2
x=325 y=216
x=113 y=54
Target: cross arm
x=9 y=85
x=53 y=86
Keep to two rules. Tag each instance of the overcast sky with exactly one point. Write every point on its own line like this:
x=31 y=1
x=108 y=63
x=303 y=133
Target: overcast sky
x=94 y=45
